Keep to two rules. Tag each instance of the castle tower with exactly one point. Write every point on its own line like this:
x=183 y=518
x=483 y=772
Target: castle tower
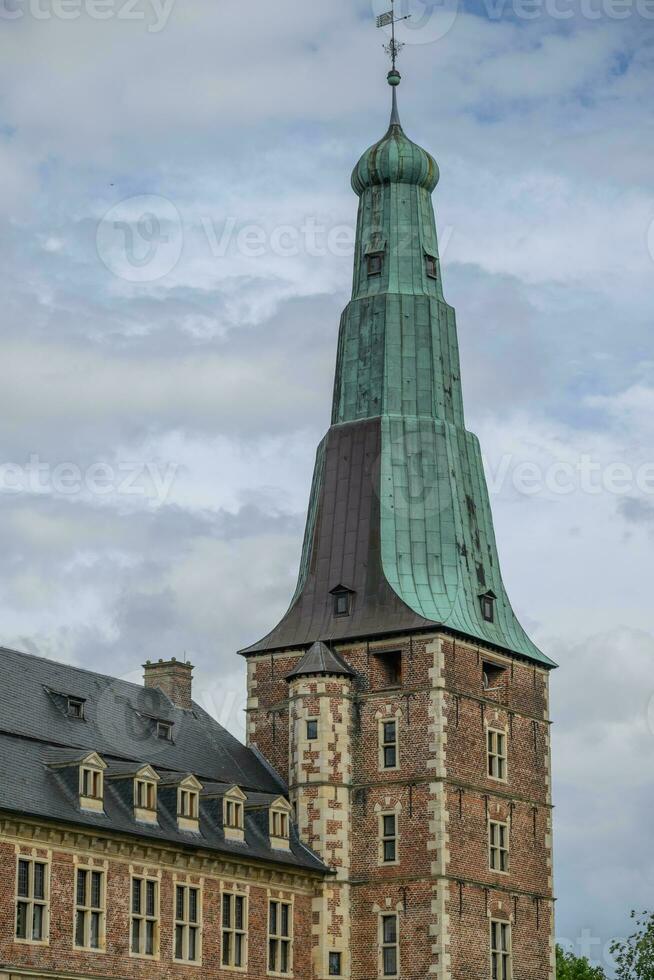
x=437 y=745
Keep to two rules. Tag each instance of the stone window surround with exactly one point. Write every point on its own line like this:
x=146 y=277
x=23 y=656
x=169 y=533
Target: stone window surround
x=383 y=720
x=281 y=899
x=495 y=846
x=185 y=921
x=33 y=858
x=388 y=810
x=91 y=868
x=506 y=969
x=144 y=877
x=234 y=814
x=237 y=891
x=494 y=751
x=91 y=783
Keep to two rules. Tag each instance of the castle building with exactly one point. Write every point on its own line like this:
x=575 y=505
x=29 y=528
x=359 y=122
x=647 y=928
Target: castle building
x=390 y=817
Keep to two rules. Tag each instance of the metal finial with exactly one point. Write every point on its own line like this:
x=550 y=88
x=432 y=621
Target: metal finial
x=393 y=47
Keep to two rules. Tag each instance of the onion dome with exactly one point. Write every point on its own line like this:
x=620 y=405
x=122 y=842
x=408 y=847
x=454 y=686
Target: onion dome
x=395 y=159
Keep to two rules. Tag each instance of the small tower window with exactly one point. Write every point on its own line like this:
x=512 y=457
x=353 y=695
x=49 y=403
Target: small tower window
x=375 y=263
x=493 y=676
x=312 y=729
x=432 y=266
x=335 y=968
x=487 y=601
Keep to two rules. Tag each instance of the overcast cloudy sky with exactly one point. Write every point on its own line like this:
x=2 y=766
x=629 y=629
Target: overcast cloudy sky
x=176 y=224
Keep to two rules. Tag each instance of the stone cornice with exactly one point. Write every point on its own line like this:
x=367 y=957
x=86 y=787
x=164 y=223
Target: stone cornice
x=115 y=847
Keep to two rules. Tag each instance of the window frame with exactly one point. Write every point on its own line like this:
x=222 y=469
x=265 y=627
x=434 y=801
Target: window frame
x=497 y=754
x=316 y=723
x=501 y=969
x=374 y=264
x=384 y=945
x=389 y=838
x=77 y=714
x=278 y=938
x=233 y=894
x=386 y=744
x=280 y=823
x=31 y=901
x=186 y=924
x=487 y=608
x=88 y=910
x=499 y=848
x=339 y=954
x=143 y=917
x=431 y=266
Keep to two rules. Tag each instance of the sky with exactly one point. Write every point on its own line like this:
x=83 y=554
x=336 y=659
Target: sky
x=176 y=229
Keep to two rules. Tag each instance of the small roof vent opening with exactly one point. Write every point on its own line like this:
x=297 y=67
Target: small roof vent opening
x=75 y=708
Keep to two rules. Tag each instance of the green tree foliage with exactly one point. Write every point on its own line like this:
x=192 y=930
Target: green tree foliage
x=571 y=967
x=634 y=956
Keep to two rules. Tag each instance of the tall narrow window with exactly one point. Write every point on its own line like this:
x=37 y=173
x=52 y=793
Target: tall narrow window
x=145 y=917
x=497 y=767
x=312 y=729
x=389 y=745
x=389 y=838
x=90 y=909
x=187 y=924
x=500 y=941
x=234 y=930
x=498 y=839
x=280 y=937
x=32 y=900
x=390 y=958
x=335 y=964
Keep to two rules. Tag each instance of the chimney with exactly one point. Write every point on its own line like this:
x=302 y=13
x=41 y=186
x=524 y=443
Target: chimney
x=173 y=677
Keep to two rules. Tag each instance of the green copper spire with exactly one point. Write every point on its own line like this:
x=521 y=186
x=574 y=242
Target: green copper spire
x=399 y=518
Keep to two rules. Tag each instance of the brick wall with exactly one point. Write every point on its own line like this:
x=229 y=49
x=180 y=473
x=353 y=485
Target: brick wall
x=60 y=957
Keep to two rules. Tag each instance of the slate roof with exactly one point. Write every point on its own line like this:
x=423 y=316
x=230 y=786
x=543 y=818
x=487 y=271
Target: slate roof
x=319 y=659
x=40 y=748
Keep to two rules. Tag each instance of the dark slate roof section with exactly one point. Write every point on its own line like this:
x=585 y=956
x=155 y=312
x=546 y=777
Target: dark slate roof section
x=29 y=786
x=115 y=725
x=343 y=545
x=319 y=659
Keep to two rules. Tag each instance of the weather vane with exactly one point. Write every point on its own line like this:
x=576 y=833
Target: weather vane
x=394 y=47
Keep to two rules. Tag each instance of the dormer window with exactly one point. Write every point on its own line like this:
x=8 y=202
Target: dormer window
x=234 y=814
x=342 y=598
x=188 y=804
x=91 y=783
x=280 y=824
x=375 y=263
x=145 y=795
x=487 y=601
x=75 y=708
x=165 y=731
x=431 y=265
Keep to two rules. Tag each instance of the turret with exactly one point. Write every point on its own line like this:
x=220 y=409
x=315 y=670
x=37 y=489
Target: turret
x=320 y=776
